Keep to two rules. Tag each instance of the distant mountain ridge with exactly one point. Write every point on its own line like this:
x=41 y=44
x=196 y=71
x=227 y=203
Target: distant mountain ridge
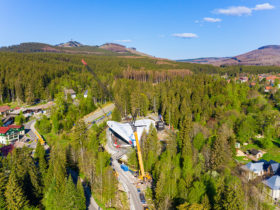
x=264 y=56
x=73 y=47
x=70 y=44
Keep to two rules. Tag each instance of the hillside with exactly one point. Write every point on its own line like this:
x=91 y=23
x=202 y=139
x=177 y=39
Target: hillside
x=73 y=47
x=70 y=44
x=264 y=56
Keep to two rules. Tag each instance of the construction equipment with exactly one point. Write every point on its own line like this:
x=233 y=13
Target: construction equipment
x=142 y=175
x=160 y=123
x=41 y=140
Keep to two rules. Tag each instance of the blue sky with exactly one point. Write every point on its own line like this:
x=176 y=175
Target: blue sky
x=172 y=29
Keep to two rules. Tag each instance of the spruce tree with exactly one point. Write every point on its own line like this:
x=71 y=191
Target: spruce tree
x=73 y=198
x=40 y=157
x=14 y=195
x=3 y=182
x=81 y=199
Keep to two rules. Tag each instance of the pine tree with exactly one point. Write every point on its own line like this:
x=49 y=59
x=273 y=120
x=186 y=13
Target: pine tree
x=81 y=199
x=73 y=198
x=14 y=195
x=234 y=196
x=52 y=197
x=116 y=115
x=40 y=157
x=217 y=153
x=186 y=153
x=3 y=182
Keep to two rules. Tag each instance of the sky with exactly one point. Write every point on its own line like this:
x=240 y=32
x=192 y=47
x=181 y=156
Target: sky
x=174 y=29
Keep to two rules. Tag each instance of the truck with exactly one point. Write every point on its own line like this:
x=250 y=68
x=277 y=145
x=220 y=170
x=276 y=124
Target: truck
x=124 y=167
x=142 y=198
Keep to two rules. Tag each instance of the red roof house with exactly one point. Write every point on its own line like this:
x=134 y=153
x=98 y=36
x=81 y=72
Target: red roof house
x=4 y=109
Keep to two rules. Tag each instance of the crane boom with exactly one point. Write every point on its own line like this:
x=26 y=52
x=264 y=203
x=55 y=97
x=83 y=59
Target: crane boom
x=141 y=165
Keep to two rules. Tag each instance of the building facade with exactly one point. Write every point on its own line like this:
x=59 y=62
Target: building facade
x=10 y=134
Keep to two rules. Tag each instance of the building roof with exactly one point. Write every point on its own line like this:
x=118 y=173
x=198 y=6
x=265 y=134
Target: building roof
x=15 y=126
x=4 y=130
x=275 y=167
x=254 y=151
x=268 y=87
x=17 y=111
x=86 y=92
x=4 y=108
x=255 y=167
x=273 y=77
x=273 y=182
x=69 y=91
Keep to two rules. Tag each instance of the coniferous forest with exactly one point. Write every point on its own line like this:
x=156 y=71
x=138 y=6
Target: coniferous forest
x=194 y=168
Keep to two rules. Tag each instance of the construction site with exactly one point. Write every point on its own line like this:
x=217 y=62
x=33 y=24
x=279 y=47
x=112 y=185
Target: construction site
x=124 y=136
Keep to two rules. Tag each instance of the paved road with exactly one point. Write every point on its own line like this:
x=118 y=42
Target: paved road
x=29 y=127
x=128 y=183
x=132 y=193
x=98 y=113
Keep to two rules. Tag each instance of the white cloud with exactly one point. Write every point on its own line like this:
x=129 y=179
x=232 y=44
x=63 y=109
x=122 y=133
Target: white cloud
x=124 y=41
x=185 y=35
x=242 y=10
x=212 y=20
x=265 y=6
x=237 y=11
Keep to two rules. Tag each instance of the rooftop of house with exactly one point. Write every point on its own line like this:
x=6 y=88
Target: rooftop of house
x=273 y=182
x=255 y=167
x=272 y=77
x=15 y=126
x=254 y=151
x=69 y=91
x=268 y=87
x=275 y=167
x=4 y=130
x=4 y=108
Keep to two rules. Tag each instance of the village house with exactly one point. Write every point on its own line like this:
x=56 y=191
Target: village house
x=268 y=89
x=243 y=79
x=269 y=171
x=70 y=92
x=10 y=134
x=273 y=187
x=4 y=110
x=252 y=170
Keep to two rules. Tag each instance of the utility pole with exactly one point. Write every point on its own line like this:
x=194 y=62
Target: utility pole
x=154 y=105
x=169 y=119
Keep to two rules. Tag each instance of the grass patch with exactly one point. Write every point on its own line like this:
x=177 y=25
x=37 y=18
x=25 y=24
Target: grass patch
x=250 y=146
x=272 y=154
x=242 y=160
x=100 y=204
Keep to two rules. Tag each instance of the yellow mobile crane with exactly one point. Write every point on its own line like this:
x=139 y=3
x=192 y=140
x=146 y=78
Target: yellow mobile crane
x=142 y=175
x=40 y=139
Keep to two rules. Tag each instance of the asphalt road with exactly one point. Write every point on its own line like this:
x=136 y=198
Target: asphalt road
x=98 y=113
x=30 y=130
x=132 y=193
x=130 y=187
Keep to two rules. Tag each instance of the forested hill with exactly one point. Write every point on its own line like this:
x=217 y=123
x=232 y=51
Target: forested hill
x=32 y=47
x=264 y=56
x=74 y=47
x=28 y=76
